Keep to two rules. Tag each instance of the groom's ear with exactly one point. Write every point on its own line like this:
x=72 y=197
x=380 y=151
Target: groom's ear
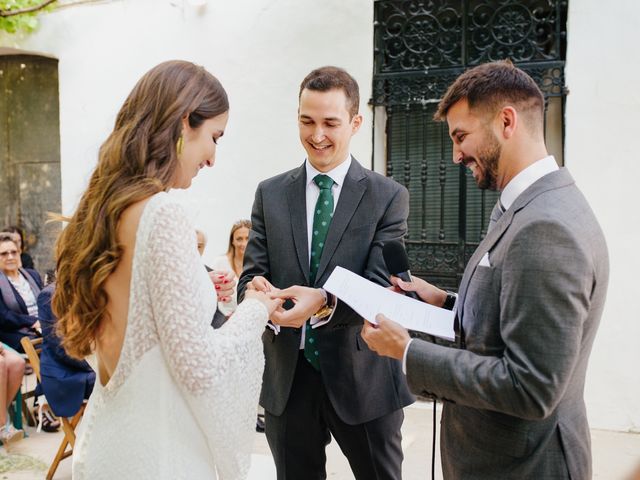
x=356 y=123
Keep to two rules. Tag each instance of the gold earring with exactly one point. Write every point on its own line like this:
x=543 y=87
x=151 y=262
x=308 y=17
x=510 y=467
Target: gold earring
x=180 y=145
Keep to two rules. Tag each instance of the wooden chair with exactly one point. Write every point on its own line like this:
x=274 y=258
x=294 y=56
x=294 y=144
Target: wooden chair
x=26 y=412
x=68 y=424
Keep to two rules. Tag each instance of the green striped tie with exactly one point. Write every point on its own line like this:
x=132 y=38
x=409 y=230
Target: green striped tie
x=321 y=220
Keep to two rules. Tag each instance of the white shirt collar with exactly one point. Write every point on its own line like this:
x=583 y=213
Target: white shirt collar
x=337 y=174
x=526 y=178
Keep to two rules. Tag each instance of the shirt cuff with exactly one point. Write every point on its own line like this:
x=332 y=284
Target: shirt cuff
x=404 y=357
x=275 y=328
x=315 y=323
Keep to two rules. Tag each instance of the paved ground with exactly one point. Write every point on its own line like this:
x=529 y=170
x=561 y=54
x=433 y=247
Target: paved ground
x=615 y=455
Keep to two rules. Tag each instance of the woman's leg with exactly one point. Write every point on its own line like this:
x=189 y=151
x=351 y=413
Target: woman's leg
x=11 y=372
x=15 y=372
x=3 y=389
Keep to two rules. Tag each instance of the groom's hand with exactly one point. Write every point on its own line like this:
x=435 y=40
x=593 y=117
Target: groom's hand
x=387 y=338
x=307 y=301
x=427 y=292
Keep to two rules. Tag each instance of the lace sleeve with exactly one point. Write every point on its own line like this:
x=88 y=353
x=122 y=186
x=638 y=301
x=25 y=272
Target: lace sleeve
x=218 y=370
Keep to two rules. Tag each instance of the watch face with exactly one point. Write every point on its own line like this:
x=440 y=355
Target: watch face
x=450 y=301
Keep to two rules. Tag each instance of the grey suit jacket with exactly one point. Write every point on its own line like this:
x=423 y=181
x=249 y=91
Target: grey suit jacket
x=513 y=395
x=371 y=210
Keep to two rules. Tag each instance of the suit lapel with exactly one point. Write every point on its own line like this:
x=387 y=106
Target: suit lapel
x=487 y=243
x=350 y=197
x=296 y=195
x=558 y=179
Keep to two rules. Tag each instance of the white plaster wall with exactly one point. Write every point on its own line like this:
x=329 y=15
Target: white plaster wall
x=602 y=119
x=259 y=49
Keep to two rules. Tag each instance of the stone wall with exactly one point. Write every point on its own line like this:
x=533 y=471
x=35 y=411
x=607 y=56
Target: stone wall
x=30 y=151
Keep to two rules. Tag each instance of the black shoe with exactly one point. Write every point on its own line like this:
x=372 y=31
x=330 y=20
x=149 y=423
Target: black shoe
x=260 y=423
x=49 y=423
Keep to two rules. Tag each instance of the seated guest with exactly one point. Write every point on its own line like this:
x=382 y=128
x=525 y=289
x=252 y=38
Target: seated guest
x=11 y=372
x=66 y=382
x=25 y=258
x=202 y=243
x=19 y=289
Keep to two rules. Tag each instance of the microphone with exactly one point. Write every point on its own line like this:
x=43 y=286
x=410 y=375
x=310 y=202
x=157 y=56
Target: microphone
x=395 y=257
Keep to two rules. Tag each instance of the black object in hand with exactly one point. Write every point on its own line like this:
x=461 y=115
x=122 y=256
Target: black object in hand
x=395 y=257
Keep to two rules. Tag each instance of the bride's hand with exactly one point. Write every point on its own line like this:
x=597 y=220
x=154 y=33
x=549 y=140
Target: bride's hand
x=260 y=284
x=272 y=304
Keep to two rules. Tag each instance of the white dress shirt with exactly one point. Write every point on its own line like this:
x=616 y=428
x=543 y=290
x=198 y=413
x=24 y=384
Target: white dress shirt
x=525 y=179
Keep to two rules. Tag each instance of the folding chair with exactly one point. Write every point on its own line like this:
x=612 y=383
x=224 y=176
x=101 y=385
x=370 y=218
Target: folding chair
x=23 y=397
x=68 y=424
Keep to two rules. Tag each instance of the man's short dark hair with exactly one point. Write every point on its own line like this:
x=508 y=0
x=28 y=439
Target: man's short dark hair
x=490 y=86
x=324 y=79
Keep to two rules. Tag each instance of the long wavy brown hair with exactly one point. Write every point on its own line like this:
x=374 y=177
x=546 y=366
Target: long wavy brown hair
x=138 y=159
x=231 y=249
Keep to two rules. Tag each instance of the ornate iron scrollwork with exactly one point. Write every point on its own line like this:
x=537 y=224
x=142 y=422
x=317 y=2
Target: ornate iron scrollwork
x=442 y=257
x=418 y=89
x=550 y=78
x=421 y=46
x=417 y=35
x=521 y=31
x=421 y=35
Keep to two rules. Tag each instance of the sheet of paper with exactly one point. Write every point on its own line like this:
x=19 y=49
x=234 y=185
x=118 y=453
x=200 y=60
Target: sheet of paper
x=369 y=299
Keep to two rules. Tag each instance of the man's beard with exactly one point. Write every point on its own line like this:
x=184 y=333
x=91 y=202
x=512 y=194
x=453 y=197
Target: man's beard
x=487 y=162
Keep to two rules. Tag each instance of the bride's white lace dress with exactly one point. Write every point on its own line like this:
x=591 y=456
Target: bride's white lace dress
x=181 y=403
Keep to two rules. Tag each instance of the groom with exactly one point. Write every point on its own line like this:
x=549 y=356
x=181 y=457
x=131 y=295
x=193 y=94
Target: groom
x=531 y=297
x=327 y=212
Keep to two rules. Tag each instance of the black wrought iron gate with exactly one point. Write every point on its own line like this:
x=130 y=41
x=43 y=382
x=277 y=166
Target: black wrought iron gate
x=420 y=48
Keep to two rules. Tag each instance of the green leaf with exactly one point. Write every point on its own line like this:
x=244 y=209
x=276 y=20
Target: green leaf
x=24 y=22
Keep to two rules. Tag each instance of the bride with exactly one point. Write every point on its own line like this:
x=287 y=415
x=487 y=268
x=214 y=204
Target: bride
x=175 y=399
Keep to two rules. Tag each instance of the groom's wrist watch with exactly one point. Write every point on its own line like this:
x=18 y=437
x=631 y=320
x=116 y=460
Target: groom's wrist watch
x=450 y=301
x=327 y=307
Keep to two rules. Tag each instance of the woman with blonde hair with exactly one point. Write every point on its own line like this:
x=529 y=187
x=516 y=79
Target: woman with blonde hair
x=174 y=398
x=232 y=261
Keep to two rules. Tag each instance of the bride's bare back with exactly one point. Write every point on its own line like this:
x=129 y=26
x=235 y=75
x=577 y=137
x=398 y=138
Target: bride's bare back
x=112 y=328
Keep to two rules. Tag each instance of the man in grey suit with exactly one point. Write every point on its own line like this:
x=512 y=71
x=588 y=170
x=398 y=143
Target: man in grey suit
x=330 y=211
x=529 y=303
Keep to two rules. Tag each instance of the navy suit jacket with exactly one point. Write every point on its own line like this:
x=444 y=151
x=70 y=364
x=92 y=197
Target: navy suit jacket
x=14 y=325
x=66 y=382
